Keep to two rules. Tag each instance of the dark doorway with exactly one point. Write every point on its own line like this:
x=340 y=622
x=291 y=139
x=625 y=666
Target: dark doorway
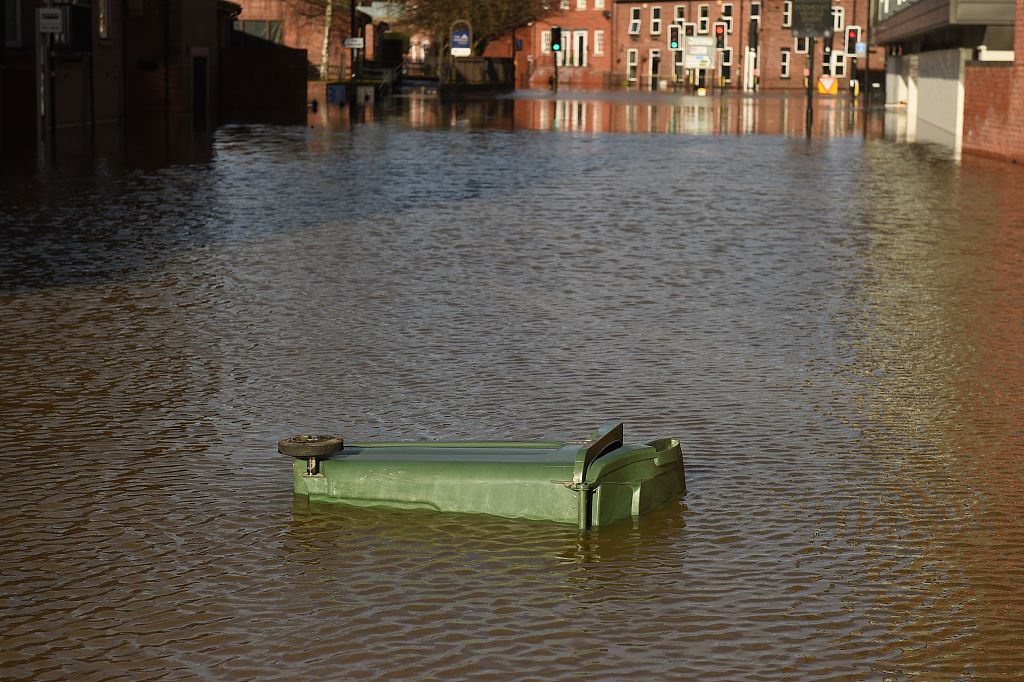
x=199 y=91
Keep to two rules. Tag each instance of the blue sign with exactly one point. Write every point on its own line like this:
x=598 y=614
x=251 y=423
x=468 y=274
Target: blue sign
x=461 y=42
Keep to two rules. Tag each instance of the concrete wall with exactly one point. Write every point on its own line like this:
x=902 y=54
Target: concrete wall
x=940 y=96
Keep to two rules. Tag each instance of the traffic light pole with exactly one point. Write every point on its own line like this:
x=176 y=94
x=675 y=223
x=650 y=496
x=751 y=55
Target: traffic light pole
x=810 y=85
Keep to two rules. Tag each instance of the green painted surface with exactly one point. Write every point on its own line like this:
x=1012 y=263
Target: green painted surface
x=591 y=483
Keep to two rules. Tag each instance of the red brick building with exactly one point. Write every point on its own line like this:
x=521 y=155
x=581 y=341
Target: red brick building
x=615 y=43
x=300 y=25
x=109 y=61
x=585 y=60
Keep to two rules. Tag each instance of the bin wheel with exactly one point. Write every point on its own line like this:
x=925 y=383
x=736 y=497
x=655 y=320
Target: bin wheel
x=306 y=446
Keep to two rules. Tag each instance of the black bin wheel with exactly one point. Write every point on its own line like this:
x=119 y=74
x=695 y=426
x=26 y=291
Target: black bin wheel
x=310 y=446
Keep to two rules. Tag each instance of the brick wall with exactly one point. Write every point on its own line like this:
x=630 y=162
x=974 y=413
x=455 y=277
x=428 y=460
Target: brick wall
x=994 y=103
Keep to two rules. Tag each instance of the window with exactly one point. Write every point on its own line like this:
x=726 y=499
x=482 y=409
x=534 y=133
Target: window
x=634 y=21
x=838 y=19
x=578 y=49
x=680 y=14
x=267 y=30
x=784 y=62
x=12 y=29
x=598 y=4
x=755 y=11
x=564 y=4
x=727 y=56
x=703 y=18
x=787 y=13
x=545 y=42
x=581 y=4
x=598 y=42
x=103 y=18
x=838 y=64
x=727 y=16
x=680 y=63
x=632 y=56
x=655 y=21
x=801 y=45
x=654 y=62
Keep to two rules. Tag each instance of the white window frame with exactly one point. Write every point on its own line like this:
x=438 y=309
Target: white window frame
x=679 y=64
x=581 y=4
x=564 y=4
x=838 y=64
x=838 y=19
x=726 y=56
x=785 y=62
x=655 y=21
x=652 y=55
x=755 y=11
x=727 y=16
x=598 y=4
x=578 y=57
x=632 y=64
x=598 y=42
x=13 y=23
x=679 y=15
x=804 y=42
x=634 y=21
x=545 y=42
x=703 y=18
x=787 y=13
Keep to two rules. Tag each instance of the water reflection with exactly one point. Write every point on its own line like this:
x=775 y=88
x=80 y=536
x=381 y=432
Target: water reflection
x=618 y=112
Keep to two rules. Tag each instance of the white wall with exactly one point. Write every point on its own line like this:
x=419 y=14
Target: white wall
x=940 y=96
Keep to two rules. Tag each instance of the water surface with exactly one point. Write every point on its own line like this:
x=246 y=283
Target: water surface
x=832 y=326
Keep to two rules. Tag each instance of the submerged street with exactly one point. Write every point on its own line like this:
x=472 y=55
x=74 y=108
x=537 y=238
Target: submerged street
x=831 y=325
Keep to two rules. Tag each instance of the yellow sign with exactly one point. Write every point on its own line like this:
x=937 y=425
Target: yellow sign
x=828 y=85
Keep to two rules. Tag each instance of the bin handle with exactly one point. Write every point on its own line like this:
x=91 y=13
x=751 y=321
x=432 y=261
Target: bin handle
x=605 y=439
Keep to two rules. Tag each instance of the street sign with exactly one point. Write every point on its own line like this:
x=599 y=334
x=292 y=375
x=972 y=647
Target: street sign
x=355 y=43
x=51 y=20
x=698 y=52
x=828 y=85
x=461 y=42
x=812 y=18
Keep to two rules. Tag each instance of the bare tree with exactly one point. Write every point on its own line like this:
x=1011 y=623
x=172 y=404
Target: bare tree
x=490 y=19
x=315 y=11
x=325 y=53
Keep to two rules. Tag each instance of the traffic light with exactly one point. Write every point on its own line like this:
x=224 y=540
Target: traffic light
x=852 y=38
x=673 y=37
x=689 y=29
x=556 y=39
x=720 y=36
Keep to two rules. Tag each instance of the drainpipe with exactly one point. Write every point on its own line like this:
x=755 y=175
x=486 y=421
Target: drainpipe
x=167 y=63
x=124 y=65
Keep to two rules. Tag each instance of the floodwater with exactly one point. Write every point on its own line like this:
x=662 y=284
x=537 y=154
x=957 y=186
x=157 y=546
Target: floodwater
x=832 y=326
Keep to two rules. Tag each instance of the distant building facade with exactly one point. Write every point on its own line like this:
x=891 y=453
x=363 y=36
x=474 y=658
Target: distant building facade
x=616 y=43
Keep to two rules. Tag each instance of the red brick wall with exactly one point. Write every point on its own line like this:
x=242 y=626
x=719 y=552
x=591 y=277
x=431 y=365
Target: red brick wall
x=994 y=104
x=303 y=27
x=534 y=66
x=261 y=83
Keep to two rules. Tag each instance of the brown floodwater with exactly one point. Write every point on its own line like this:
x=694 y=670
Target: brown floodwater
x=831 y=324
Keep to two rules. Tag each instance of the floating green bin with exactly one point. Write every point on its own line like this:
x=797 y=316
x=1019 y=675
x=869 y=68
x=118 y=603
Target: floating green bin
x=590 y=482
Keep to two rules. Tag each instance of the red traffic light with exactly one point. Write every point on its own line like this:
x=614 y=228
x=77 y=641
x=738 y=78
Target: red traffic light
x=720 y=36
